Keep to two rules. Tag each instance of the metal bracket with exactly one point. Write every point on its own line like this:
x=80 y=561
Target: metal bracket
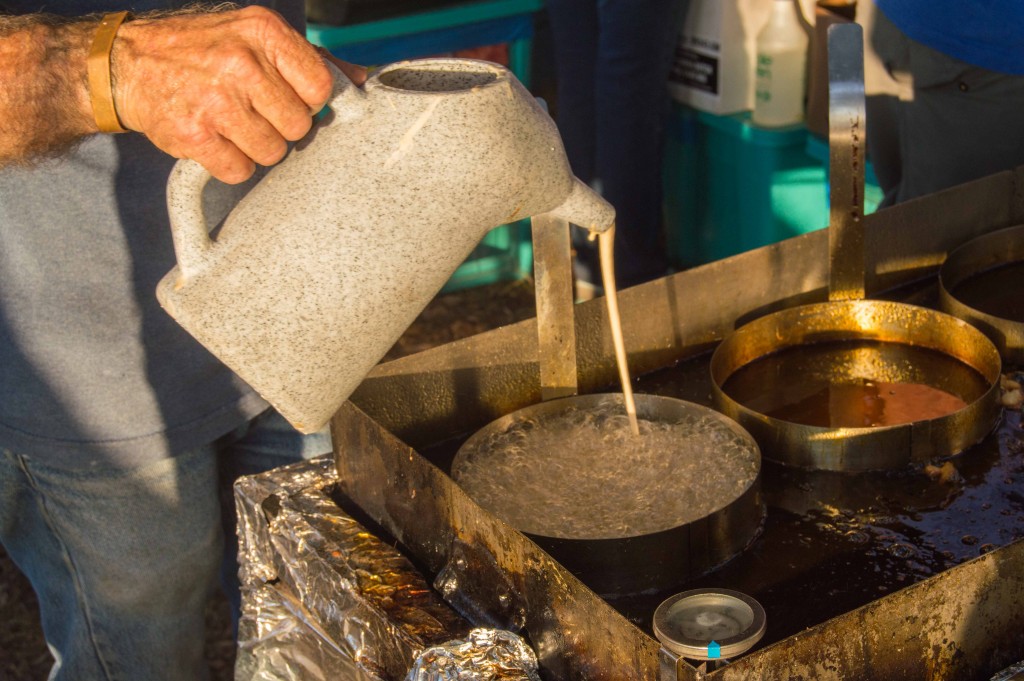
x=847 y=126
x=556 y=331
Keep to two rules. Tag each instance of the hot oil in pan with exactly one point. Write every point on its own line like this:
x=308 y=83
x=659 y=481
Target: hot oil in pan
x=855 y=384
x=995 y=292
x=581 y=473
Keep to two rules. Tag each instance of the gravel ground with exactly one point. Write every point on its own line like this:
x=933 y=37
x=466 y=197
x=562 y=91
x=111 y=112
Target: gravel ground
x=23 y=652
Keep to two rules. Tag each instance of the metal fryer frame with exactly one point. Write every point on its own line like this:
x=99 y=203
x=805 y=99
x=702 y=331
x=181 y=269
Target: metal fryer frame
x=962 y=623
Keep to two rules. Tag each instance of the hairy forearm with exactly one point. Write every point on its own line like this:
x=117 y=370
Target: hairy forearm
x=226 y=87
x=44 y=95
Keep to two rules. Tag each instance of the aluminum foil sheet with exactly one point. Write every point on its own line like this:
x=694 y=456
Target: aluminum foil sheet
x=278 y=641
x=484 y=655
x=339 y=592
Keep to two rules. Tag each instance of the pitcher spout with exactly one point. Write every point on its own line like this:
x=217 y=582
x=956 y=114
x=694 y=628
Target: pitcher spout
x=585 y=208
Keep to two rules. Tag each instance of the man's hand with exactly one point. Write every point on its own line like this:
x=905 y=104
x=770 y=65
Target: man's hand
x=227 y=89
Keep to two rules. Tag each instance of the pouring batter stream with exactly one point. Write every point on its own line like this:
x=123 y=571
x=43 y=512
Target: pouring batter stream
x=606 y=250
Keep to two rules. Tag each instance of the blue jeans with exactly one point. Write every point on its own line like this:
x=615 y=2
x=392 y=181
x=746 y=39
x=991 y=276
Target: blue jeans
x=124 y=560
x=612 y=60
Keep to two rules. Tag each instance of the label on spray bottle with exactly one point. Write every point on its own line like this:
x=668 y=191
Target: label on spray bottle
x=763 y=80
x=714 y=57
x=697 y=69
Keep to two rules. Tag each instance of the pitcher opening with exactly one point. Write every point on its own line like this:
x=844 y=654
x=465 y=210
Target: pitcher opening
x=440 y=75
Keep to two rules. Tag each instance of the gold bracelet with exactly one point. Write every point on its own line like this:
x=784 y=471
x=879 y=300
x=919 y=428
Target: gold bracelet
x=101 y=94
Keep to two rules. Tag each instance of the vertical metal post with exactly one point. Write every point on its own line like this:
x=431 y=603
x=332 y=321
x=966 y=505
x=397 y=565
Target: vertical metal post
x=556 y=332
x=847 y=126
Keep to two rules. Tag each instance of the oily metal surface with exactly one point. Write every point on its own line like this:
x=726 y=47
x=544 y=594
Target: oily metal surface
x=699 y=445
x=440 y=393
x=860 y=449
x=965 y=623
x=974 y=259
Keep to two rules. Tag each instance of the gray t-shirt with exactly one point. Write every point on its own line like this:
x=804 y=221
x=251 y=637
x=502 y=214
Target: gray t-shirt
x=91 y=368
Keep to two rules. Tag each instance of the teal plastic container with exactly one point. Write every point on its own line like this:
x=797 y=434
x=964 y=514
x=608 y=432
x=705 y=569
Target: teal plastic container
x=504 y=254
x=435 y=31
x=731 y=186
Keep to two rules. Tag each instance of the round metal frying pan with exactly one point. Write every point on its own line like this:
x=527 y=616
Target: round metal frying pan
x=810 y=327
x=847 y=319
x=980 y=283
x=623 y=522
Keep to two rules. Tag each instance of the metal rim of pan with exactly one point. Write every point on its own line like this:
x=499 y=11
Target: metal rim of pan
x=861 y=449
x=973 y=258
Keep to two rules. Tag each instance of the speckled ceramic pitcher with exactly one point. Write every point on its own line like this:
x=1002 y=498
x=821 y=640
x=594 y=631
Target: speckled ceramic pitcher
x=323 y=265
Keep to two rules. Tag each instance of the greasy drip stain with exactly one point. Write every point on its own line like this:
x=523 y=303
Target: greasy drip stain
x=995 y=292
x=855 y=384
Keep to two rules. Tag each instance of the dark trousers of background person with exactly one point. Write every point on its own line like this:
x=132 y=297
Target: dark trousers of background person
x=612 y=59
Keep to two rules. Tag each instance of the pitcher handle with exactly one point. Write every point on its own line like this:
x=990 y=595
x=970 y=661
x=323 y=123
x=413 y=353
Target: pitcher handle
x=188 y=178
x=188 y=224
